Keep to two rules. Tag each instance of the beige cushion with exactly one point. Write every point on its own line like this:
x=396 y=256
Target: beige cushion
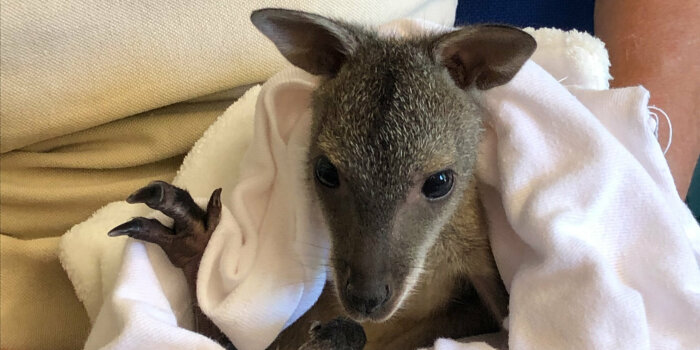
x=90 y=110
x=71 y=65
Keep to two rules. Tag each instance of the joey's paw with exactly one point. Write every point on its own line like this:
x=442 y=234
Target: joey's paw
x=184 y=244
x=338 y=334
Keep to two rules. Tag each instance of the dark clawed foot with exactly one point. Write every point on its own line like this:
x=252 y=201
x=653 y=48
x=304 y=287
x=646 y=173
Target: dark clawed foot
x=184 y=244
x=338 y=334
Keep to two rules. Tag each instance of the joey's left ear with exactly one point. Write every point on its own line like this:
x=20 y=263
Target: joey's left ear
x=484 y=55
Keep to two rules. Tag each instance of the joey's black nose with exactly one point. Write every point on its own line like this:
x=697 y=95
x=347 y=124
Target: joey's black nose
x=366 y=297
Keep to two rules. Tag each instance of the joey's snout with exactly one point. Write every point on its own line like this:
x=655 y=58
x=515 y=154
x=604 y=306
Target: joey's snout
x=366 y=296
x=366 y=292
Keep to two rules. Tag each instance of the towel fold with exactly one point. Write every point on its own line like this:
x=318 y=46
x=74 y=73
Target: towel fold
x=591 y=239
x=589 y=234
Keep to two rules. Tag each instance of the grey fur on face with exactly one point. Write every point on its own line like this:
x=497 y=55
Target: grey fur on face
x=400 y=120
x=388 y=114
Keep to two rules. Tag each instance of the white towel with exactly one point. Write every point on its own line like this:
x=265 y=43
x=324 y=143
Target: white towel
x=590 y=236
x=588 y=233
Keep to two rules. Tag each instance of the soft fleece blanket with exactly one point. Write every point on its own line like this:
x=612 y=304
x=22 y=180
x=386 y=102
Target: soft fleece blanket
x=592 y=241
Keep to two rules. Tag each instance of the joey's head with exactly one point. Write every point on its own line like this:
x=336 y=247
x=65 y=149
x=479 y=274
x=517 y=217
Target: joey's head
x=394 y=142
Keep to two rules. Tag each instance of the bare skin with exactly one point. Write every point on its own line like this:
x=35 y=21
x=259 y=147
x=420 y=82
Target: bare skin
x=655 y=43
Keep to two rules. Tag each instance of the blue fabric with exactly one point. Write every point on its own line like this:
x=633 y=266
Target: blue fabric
x=562 y=14
x=693 y=198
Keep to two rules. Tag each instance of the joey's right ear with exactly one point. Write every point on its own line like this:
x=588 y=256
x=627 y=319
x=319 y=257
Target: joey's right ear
x=311 y=42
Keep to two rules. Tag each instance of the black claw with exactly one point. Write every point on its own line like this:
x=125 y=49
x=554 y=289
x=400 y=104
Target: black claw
x=127 y=228
x=150 y=195
x=214 y=210
x=217 y=195
x=315 y=327
x=215 y=200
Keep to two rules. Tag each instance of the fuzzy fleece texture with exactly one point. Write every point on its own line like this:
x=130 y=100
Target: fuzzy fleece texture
x=592 y=241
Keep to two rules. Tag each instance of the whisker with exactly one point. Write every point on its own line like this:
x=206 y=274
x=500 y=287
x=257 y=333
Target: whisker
x=313 y=245
x=303 y=282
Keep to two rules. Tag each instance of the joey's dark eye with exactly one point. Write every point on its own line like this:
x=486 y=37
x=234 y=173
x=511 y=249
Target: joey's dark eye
x=438 y=185
x=326 y=173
